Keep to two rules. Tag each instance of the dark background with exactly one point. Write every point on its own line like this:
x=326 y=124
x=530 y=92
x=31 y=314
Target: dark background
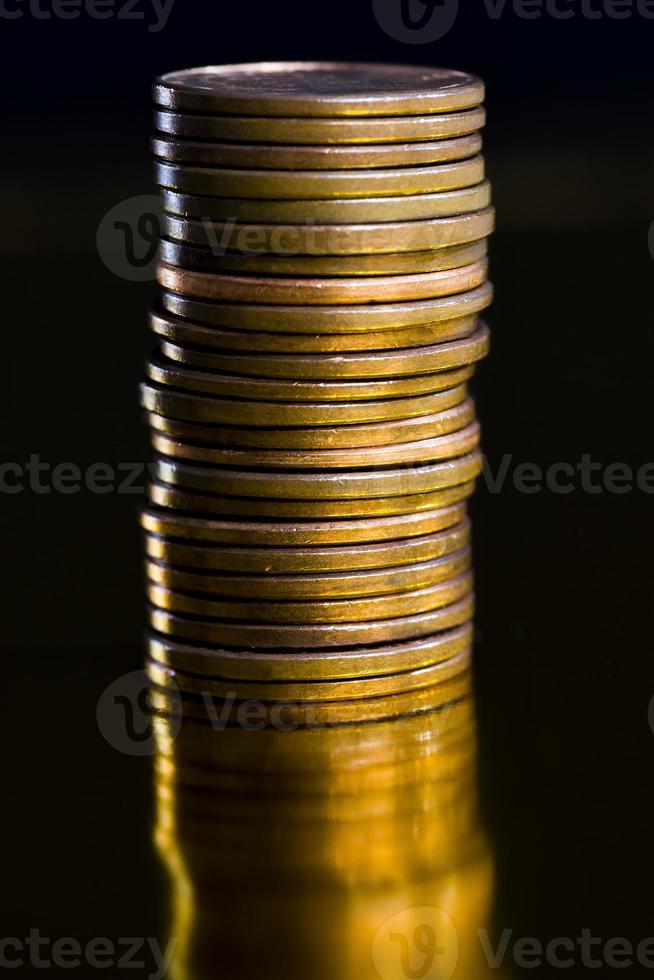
x=564 y=664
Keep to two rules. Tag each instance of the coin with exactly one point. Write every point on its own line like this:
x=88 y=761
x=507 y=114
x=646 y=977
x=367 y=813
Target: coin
x=345 y=437
x=196 y=334
x=413 y=207
x=294 y=157
x=329 y=319
x=325 y=131
x=325 y=291
x=318 y=585
x=287 y=560
x=166 y=495
x=309 y=238
x=412 y=362
x=401 y=263
x=318 y=88
x=294 y=185
x=449 y=446
x=266 y=636
x=348 y=663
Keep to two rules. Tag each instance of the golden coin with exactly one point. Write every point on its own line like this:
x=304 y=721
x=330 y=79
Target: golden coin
x=165 y=495
x=352 y=663
x=412 y=362
x=298 y=185
x=229 y=411
x=308 y=238
x=267 y=636
x=413 y=207
x=286 y=129
x=275 y=157
x=396 y=264
x=323 y=292
x=318 y=88
x=329 y=319
x=321 y=585
x=425 y=450
x=345 y=437
x=288 y=560
x=185 y=332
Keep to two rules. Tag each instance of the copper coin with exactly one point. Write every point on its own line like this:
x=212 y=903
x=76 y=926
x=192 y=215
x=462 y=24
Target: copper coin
x=317 y=637
x=318 y=88
x=352 y=663
x=413 y=207
x=308 y=238
x=396 y=264
x=412 y=362
x=166 y=495
x=299 y=185
x=287 y=560
x=294 y=157
x=325 y=131
x=318 y=585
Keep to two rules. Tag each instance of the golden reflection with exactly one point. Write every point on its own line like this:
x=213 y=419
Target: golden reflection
x=338 y=841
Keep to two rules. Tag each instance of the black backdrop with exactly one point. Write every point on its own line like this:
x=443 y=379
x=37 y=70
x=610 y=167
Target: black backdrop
x=565 y=581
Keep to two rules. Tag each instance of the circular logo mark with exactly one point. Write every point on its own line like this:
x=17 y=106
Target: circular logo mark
x=416 y=944
x=124 y=714
x=416 y=21
x=128 y=238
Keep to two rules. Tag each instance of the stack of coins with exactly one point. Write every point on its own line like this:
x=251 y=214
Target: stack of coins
x=323 y=265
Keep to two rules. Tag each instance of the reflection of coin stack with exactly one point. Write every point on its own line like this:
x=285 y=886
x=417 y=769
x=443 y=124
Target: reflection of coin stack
x=323 y=266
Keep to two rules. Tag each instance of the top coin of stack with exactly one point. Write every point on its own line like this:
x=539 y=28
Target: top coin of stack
x=323 y=264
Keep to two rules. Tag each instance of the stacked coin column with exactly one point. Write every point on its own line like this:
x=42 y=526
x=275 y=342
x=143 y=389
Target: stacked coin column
x=323 y=265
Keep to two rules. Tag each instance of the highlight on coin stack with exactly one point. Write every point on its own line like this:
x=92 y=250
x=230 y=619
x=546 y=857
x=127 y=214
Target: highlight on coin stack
x=323 y=270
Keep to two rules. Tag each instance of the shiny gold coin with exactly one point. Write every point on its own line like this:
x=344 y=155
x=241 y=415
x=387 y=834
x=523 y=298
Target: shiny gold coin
x=346 y=437
x=310 y=239
x=360 y=318
x=322 y=585
x=275 y=157
x=348 y=484
x=289 y=560
x=196 y=334
x=426 y=450
x=275 y=637
x=318 y=88
x=413 y=207
x=348 y=663
x=299 y=185
x=230 y=411
x=165 y=495
x=323 y=292
x=285 y=129
x=412 y=362
x=396 y=264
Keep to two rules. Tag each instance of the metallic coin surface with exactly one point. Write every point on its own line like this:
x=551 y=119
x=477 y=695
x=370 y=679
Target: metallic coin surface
x=317 y=637
x=166 y=495
x=414 y=362
x=287 y=560
x=299 y=185
x=413 y=207
x=325 y=131
x=329 y=319
x=348 y=663
x=294 y=157
x=318 y=88
x=401 y=263
x=308 y=238
x=345 y=437
x=182 y=331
